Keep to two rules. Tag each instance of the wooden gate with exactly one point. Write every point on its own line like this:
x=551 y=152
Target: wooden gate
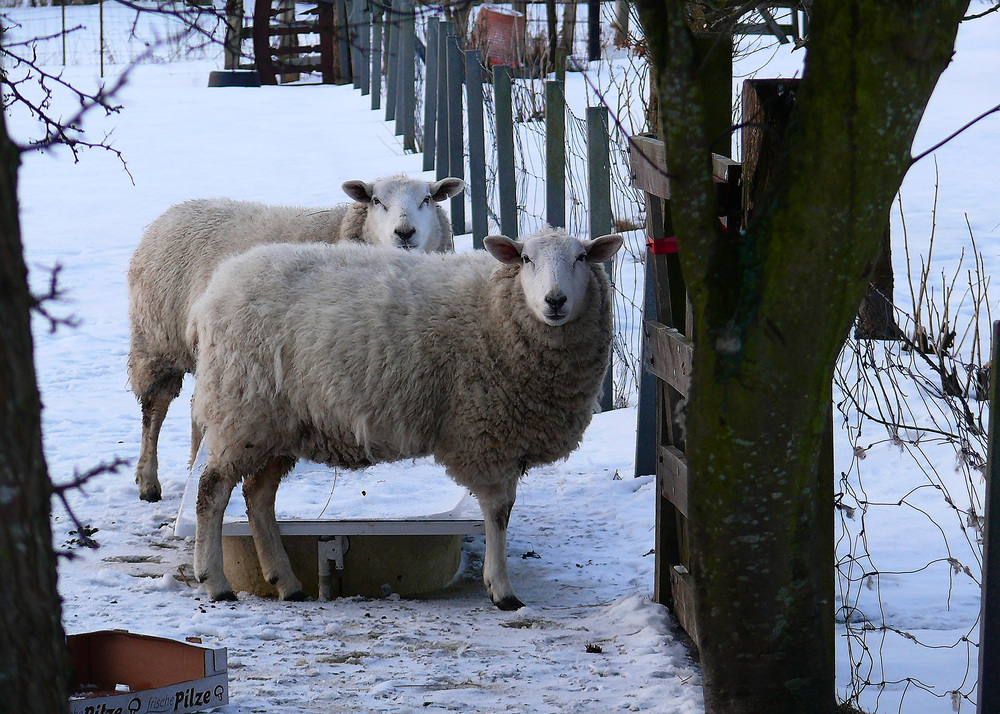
x=666 y=356
x=325 y=56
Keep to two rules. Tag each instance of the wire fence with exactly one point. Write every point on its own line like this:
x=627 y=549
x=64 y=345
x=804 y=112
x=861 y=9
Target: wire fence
x=910 y=614
x=114 y=34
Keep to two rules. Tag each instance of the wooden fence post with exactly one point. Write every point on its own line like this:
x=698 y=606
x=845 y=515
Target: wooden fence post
x=506 y=179
x=594 y=30
x=430 y=94
x=555 y=153
x=287 y=42
x=365 y=40
x=344 y=41
x=988 y=699
x=599 y=179
x=477 y=147
x=376 y=73
x=391 y=23
x=443 y=150
x=645 y=428
x=456 y=142
x=233 y=42
x=666 y=354
x=354 y=38
x=406 y=103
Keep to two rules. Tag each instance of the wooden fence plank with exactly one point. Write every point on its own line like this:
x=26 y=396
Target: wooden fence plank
x=443 y=150
x=430 y=94
x=354 y=21
x=555 y=153
x=506 y=179
x=599 y=182
x=477 y=147
x=406 y=107
x=456 y=137
x=343 y=72
x=648 y=159
x=672 y=470
x=376 y=71
x=391 y=23
x=682 y=588
x=645 y=427
x=667 y=355
x=365 y=39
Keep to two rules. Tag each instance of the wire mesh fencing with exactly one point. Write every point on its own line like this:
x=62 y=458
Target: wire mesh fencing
x=113 y=33
x=913 y=416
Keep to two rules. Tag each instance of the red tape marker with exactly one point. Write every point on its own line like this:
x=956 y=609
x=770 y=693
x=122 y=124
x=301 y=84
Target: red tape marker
x=662 y=246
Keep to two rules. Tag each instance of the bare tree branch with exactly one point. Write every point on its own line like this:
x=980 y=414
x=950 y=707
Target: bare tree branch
x=984 y=13
x=21 y=69
x=54 y=294
x=944 y=141
x=77 y=482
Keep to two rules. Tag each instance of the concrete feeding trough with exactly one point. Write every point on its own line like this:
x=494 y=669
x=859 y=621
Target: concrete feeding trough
x=392 y=528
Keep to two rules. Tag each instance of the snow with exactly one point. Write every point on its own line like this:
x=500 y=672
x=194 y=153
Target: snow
x=590 y=639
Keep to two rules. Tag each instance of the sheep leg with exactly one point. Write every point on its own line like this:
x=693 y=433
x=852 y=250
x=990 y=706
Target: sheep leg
x=214 y=491
x=259 y=491
x=154 y=403
x=496 y=504
x=197 y=432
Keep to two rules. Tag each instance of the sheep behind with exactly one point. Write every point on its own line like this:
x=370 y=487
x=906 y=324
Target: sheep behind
x=351 y=356
x=180 y=250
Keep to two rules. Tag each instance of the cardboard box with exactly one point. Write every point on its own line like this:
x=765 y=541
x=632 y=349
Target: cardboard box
x=119 y=672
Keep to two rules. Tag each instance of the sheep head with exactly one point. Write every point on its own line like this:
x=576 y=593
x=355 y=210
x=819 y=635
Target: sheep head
x=402 y=212
x=555 y=269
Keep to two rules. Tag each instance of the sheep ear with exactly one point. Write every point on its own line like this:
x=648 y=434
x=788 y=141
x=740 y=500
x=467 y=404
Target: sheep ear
x=360 y=191
x=503 y=249
x=446 y=188
x=601 y=249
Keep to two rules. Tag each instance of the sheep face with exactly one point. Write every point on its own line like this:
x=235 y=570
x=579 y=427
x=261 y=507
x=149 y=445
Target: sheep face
x=555 y=270
x=403 y=212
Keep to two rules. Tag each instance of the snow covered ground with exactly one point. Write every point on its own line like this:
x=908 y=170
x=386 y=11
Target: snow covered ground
x=581 y=533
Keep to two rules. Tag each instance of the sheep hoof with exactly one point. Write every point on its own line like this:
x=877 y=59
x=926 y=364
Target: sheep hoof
x=509 y=603
x=227 y=596
x=297 y=596
x=151 y=494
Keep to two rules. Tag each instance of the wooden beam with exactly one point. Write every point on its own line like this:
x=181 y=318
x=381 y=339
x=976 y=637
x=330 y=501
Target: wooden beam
x=648 y=159
x=668 y=355
x=672 y=470
x=682 y=589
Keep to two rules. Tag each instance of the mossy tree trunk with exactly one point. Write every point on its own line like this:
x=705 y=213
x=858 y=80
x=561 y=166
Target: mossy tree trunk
x=772 y=309
x=34 y=670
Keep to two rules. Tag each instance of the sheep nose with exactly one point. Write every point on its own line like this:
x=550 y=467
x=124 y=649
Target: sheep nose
x=405 y=234
x=555 y=300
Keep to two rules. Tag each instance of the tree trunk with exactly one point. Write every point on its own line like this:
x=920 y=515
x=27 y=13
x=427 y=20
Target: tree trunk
x=877 y=318
x=568 y=35
x=34 y=663
x=552 y=26
x=772 y=308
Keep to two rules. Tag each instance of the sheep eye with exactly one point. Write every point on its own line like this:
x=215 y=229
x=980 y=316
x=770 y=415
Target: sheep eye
x=526 y=260
x=376 y=202
x=425 y=202
x=582 y=257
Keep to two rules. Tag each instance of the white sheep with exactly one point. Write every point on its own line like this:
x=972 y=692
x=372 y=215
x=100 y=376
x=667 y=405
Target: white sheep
x=180 y=250
x=349 y=356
